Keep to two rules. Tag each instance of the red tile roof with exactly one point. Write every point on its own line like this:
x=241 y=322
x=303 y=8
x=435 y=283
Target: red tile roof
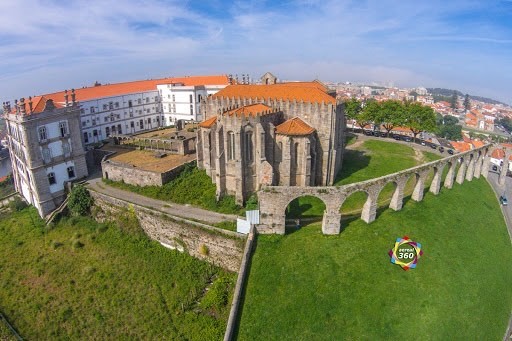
x=294 y=127
x=209 y=122
x=249 y=110
x=108 y=90
x=307 y=92
x=38 y=105
x=461 y=146
x=498 y=154
x=477 y=144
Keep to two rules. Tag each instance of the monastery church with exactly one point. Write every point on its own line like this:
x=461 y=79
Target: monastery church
x=287 y=134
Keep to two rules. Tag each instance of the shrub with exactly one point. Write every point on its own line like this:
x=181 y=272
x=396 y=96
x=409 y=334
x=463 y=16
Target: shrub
x=252 y=202
x=17 y=204
x=80 y=201
x=203 y=249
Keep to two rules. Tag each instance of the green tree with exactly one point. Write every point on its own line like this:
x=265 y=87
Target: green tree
x=419 y=118
x=80 y=200
x=453 y=100
x=506 y=123
x=391 y=114
x=353 y=108
x=467 y=103
x=369 y=113
x=450 y=120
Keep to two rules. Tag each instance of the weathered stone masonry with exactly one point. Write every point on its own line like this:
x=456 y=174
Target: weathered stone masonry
x=275 y=199
x=225 y=248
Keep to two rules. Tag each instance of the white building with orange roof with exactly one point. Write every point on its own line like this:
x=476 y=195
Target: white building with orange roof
x=46 y=148
x=182 y=100
x=133 y=107
x=287 y=134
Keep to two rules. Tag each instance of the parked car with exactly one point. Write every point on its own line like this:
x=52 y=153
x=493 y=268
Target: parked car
x=368 y=132
x=450 y=151
x=441 y=149
x=423 y=143
x=396 y=137
x=495 y=168
x=503 y=200
x=407 y=139
x=433 y=146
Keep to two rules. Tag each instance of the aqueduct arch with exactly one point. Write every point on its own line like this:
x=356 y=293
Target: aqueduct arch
x=275 y=199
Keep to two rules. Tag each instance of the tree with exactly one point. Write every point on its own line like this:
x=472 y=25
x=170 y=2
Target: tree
x=80 y=200
x=369 y=113
x=419 y=118
x=450 y=120
x=467 y=103
x=391 y=114
x=506 y=123
x=353 y=108
x=453 y=100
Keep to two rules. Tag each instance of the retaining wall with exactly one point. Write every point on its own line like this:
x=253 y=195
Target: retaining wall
x=224 y=248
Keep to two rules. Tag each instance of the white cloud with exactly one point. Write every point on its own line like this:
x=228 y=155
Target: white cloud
x=407 y=43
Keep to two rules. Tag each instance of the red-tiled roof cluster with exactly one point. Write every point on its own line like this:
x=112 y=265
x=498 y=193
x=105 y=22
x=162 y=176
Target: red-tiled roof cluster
x=249 y=110
x=294 y=127
x=109 y=90
x=305 y=91
x=209 y=122
x=461 y=146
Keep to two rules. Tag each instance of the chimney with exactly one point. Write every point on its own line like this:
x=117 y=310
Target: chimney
x=73 y=97
x=22 y=105
x=66 y=97
x=30 y=104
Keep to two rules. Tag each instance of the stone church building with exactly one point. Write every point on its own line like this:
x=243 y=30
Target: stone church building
x=287 y=134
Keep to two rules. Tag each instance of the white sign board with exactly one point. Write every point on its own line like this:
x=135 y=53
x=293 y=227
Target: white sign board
x=243 y=226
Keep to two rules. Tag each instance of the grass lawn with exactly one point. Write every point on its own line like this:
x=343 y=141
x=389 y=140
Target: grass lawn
x=371 y=159
x=192 y=186
x=307 y=286
x=83 y=280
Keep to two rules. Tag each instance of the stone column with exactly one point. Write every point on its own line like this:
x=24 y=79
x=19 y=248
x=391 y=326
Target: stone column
x=478 y=165
x=370 y=206
x=471 y=169
x=448 y=181
x=331 y=222
x=462 y=172
x=504 y=168
x=435 y=186
x=397 y=200
x=485 y=166
x=417 y=194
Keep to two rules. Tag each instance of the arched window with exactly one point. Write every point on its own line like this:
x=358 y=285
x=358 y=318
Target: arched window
x=231 y=145
x=279 y=152
x=248 y=146
x=296 y=154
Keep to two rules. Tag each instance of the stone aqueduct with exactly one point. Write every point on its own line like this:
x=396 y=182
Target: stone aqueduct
x=275 y=199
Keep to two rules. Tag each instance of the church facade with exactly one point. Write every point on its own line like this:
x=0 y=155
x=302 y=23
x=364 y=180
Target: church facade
x=287 y=134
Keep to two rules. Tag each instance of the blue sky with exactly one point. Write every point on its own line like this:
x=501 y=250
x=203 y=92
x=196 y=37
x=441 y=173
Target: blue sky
x=50 y=45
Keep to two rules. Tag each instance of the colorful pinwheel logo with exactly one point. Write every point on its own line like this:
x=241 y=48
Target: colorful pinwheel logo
x=405 y=253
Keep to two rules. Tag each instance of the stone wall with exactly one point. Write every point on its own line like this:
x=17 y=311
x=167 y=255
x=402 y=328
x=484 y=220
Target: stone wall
x=273 y=200
x=117 y=171
x=224 y=248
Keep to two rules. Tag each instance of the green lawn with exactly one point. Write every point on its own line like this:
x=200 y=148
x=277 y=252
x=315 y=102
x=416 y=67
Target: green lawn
x=83 y=280
x=372 y=159
x=307 y=286
x=192 y=186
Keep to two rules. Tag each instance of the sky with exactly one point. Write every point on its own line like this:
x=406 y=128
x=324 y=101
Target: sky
x=52 y=45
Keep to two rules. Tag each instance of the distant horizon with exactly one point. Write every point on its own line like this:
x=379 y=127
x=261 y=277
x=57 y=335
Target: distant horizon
x=253 y=79
x=462 y=45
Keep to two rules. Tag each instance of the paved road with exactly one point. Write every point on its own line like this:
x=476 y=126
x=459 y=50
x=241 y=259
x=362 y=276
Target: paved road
x=183 y=211
x=500 y=190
